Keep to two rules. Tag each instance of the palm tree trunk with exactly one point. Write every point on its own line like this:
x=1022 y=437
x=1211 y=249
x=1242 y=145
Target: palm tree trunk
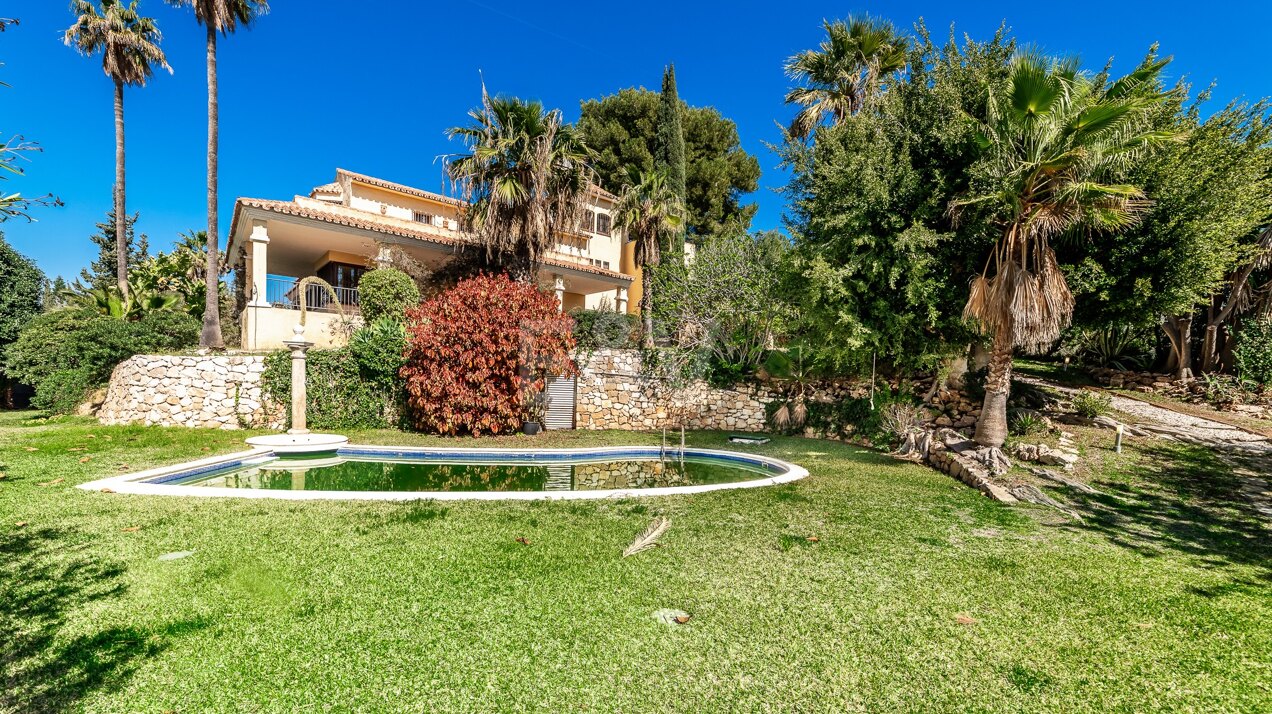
x=647 y=307
x=211 y=337
x=121 y=215
x=991 y=429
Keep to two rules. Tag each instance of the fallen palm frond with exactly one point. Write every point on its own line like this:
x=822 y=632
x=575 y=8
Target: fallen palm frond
x=648 y=539
x=782 y=417
x=799 y=415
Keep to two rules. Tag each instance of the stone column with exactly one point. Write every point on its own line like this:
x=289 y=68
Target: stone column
x=299 y=395
x=257 y=270
x=620 y=301
x=558 y=284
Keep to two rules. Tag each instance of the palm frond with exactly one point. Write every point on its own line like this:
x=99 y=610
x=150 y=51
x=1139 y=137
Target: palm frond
x=648 y=539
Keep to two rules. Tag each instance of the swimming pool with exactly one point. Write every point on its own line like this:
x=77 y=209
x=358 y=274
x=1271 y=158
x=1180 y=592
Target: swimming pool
x=404 y=473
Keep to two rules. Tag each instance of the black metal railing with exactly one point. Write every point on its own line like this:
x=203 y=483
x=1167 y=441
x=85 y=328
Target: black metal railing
x=285 y=292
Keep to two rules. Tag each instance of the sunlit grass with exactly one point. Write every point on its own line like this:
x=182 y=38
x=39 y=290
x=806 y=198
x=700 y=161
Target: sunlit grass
x=917 y=593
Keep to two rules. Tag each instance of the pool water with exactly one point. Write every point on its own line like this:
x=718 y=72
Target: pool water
x=352 y=473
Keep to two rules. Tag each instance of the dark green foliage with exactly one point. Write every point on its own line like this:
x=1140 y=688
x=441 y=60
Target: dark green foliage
x=101 y=273
x=341 y=394
x=1253 y=353
x=379 y=348
x=1026 y=423
x=669 y=148
x=880 y=265
x=622 y=130
x=854 y=415
x=1122 y=346
x=387 y=293
x=974 y=384
x=64 y=390
x=601 y=329
x=1092 y=404
x=21 y=295
x=1210 y=193
x=722 y=304
x=65 y=353
x=724 y=374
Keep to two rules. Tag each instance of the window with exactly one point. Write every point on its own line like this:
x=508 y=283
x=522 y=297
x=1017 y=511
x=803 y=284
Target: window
x=603 y=224
x=421 y=217
x=344 y=277
x=589 y=222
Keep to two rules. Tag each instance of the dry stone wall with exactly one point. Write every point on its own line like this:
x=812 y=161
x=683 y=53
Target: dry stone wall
x=221 y=392
x=613 y=394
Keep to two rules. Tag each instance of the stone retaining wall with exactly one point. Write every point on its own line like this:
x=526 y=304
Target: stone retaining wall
x=221 y=392
x=613 y=394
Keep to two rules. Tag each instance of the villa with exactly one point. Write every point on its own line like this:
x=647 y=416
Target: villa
x=338 y=230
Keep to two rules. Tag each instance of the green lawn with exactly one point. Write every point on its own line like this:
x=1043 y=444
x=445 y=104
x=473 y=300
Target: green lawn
x=919 y=594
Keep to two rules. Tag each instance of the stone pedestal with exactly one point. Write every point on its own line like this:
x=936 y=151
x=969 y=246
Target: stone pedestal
x=299 y=395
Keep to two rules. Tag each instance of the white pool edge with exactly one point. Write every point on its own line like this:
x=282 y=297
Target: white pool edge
x=134 y=483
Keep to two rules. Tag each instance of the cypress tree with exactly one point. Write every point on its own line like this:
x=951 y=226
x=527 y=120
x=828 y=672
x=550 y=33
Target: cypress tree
x=669 y=149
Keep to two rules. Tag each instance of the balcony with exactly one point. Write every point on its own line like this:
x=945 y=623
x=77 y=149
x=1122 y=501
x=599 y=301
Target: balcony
x=284 y=292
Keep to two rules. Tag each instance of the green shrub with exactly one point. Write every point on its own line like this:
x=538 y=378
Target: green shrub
x=974 y=384
x=722 y=374
x=874 y=424
x=64 y=390
x=379 y=348
x=1253 y=354
x=1122 y=347
x=340 y=395
x=602 y=329
x=386 y=293
x=1025 y=423
x=64 y=354
x=1092 y=404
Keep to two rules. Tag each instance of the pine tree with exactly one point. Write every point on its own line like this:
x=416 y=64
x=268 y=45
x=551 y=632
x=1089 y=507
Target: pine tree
x=54 y=293
x=102 y=273
x=669 y=150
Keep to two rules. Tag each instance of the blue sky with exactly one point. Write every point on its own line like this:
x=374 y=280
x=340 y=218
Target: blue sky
x=372 y=85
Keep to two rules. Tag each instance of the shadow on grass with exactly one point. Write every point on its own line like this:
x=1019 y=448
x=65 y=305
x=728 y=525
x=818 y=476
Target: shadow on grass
x=1183 y=499
x=45 y=665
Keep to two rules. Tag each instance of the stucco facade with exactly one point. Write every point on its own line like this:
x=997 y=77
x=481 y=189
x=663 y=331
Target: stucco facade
x=340 y=229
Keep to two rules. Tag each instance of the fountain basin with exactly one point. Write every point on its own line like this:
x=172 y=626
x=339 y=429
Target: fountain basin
x=299 y=443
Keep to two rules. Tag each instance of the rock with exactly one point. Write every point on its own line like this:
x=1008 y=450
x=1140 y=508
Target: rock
x=1043 y=454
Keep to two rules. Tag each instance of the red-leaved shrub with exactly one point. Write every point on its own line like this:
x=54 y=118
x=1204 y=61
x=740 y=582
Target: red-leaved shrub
x=478 y=355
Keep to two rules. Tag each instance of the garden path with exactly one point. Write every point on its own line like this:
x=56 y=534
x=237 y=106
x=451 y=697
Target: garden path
x=1247 y=453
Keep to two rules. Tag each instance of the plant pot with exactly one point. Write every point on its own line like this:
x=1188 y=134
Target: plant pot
x=530 y=428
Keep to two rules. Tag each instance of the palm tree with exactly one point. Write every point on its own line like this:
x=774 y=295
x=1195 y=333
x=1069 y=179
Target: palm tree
x=129 y=44
x=224 y=17
x=845 y=72
x=525 y=176
x=649 y=210
x=1050 y=142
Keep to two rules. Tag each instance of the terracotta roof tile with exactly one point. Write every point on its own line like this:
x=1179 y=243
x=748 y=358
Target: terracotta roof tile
x=353 y=218
x=399 y=187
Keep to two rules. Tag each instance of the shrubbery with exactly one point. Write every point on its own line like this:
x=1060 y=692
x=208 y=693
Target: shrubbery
x=602 y=329
x=379 y=348
x=386 y=293
x=479 y=354
x=1092 y=404
x=65 y=354
x=876 y=425
x=342 y=395
x=1253 y=354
